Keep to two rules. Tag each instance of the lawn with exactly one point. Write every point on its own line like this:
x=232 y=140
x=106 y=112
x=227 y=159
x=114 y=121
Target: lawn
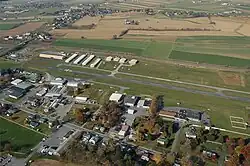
x=4 y=64
x=7 y=26
x=21 y=139
x=220 y=108
x=174 y=72
x=210 y=59
x=146 y=48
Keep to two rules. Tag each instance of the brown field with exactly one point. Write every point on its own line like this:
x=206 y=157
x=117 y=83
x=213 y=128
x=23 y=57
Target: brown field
x=87 y=21
x=28 y=27
x=231 y=78
x=114 y=25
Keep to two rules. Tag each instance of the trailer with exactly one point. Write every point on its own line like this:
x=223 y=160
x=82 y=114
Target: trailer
x=98 y=60
x=79 y=59
x=89 y=59
x=71 y=58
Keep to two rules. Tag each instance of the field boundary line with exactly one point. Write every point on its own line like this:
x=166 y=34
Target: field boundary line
x=23 y=126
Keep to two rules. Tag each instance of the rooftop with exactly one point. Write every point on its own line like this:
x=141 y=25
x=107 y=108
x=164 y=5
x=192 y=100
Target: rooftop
x=131 y=100
x=24 y=85
x=115 y=97
x=16 y=81
x=53 y=53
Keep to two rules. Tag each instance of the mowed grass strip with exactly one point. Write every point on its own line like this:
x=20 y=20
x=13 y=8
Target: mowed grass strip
x=140 y=48
x=210 y=59
x=21 y=139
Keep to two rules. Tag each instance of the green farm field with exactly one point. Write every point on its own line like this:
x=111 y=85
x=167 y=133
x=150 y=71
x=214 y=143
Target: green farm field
x=217 y=50
x=210 y=59
x=7 y=26
x=145 y=48
x=20 y=138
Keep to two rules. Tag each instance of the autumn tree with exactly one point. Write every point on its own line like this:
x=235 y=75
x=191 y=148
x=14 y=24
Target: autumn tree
x=79 y=115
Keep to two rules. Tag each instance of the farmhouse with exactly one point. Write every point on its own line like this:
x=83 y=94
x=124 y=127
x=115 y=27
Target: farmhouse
x=52 y=55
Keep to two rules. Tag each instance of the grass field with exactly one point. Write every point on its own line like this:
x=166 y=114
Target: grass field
x=7 y=64
x=182 y=73
x=7 y=26
x=21 y=139
x=218 y=50
x=145 y=48
x=210 y=59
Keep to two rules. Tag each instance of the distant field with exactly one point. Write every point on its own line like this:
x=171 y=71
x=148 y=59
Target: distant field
x=146 y=48
x=210 y=59
x=21 y=139
x=7 y=26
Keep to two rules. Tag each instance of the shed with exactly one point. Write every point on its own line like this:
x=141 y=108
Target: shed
x=116 y=59
x=133 y=62
x=122 y=60
x=109 y=59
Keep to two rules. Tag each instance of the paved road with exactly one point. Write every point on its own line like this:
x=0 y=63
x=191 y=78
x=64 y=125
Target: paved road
x=216 y=94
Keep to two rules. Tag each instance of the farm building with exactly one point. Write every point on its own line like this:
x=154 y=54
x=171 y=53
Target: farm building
x=116 y=59
x=52 y=55
x=78 y=60
x=109 y=59
x=89 y=59
x=133 y=62
x=98 y=60
x=122 y=60
x=71 y=58
x=116 y=97
x=16 y=81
